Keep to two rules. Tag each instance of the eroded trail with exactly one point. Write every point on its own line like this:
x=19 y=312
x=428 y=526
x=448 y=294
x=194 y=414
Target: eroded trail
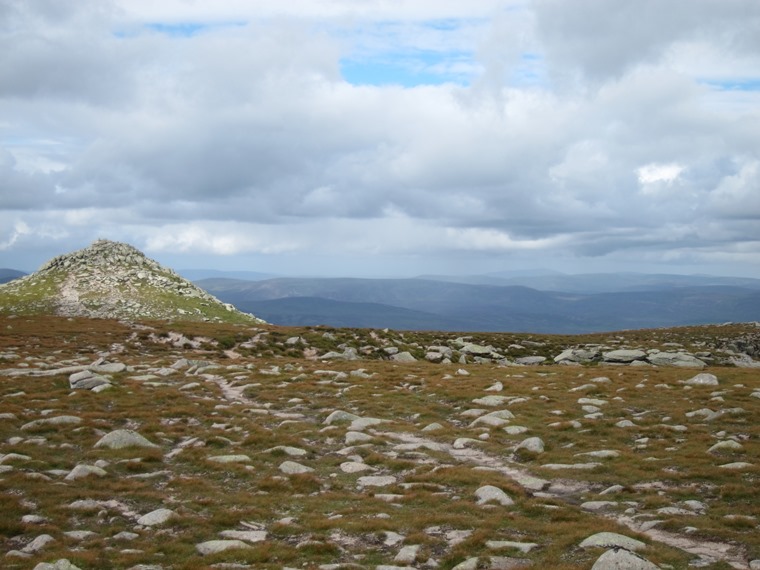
x=564 y=490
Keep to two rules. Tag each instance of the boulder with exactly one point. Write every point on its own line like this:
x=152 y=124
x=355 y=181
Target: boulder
x=680 y=359
x=60 y=564
x=403 y=357
x=618 y=559
x=612 y=540
x=533 y=445
x=157 y=517
x=122 y=438
x=489 y=494
x=703 y=379
x=81 y=471
x=624 y=356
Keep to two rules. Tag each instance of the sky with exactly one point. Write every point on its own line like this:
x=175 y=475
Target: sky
x=374 y=138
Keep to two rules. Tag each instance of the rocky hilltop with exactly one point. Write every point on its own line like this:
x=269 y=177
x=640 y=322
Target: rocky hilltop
x=113 y=280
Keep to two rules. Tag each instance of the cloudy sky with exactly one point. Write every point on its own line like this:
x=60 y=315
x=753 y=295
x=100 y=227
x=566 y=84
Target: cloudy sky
x=384 y=137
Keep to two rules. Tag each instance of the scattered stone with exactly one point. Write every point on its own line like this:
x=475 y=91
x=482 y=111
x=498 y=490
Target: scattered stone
x=377 y=481
x=355 y=467
x=81 y=471
x=354 y=437
x=293 y=468
x=340 y=416
x=726 y=445
x=533 y=445
x=403 y=357
x=157 y=517
x=38 y=544
x=619 y=559
x=491 y=401
x=217 y=546
x=60 y=564
x=612 y=540
x=524 y=547
x=678 y=359
x=287 y=450
x=737 y=466
x=122 y=438
x=55 y=421
x=489 y=493
x=597 y=506
x=408 y=554
x=703 y=379
x=239 y=458
x=624 y=356
x=246 y=535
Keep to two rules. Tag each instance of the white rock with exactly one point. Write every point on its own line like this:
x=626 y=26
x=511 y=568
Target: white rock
x=157 y=517
x=408 y=554
x=612 y=539
x=246 y=535
x=122 y=438
x=490 y=401
x=489 y=493
x=60 y=564
x=377 y=481
x=739 y=465
x=240 y=458
x=293 y=468
x=38 y=544
x=81 y=471
x=622 y=560
x=726 y=445
x=355 y=467
x=340 y=416
x=216 y=546
x=703 y=379
x=531 y=445
x=354 y=437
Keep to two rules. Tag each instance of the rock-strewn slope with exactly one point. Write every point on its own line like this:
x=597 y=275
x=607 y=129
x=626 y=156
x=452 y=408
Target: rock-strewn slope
x=113 y=280
x=133 y=446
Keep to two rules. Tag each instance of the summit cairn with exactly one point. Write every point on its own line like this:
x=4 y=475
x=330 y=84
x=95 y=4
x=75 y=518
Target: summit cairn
x=113 y=280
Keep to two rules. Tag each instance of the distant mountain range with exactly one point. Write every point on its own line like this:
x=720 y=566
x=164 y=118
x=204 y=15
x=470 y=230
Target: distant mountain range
x=605 y=302
x=9 y=274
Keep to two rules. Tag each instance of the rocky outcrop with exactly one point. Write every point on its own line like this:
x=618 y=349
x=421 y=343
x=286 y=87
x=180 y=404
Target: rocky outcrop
x=114 y=280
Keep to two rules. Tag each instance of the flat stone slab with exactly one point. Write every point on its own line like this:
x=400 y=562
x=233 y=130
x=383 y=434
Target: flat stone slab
x=246 y=535
x=229 y=458
x=376 y=481
x=157 y=517
x=612 y=540
x=216 y=546
x=293 y=468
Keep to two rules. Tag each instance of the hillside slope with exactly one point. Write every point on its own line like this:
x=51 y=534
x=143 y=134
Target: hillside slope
x=112 y=280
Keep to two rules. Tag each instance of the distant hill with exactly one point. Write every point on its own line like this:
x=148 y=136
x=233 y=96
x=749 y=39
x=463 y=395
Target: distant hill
x=7 y=275
x=198 y=274
x=113 y=280
x=489 y=308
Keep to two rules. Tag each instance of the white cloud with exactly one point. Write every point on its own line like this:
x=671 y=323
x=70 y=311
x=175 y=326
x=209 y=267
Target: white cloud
x=654 y=172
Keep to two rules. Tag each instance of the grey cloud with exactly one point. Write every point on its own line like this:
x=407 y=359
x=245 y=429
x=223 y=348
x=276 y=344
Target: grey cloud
x=605 y=39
